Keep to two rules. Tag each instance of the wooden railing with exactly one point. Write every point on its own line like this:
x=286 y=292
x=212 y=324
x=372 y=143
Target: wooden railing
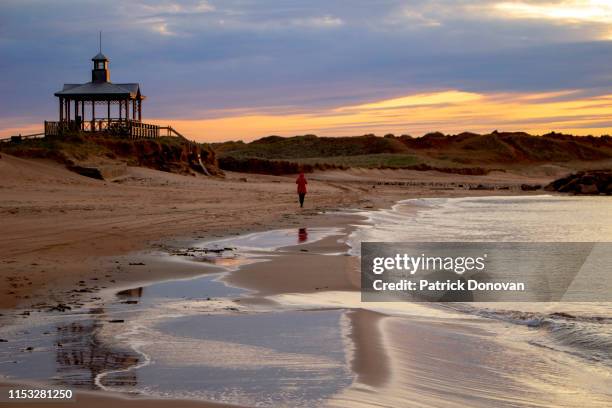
x=139 y=130
x=20 y=137
x=121 y=127
x=170 y=131
x=55 y=128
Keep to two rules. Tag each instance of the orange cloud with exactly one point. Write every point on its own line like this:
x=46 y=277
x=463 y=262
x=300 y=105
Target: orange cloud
x=594 y=11
x=449 y=111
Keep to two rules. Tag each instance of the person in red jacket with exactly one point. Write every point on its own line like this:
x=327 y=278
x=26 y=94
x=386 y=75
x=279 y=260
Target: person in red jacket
x=301 y=188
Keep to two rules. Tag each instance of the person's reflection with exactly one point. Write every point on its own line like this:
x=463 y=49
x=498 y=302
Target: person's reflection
x=302 y=235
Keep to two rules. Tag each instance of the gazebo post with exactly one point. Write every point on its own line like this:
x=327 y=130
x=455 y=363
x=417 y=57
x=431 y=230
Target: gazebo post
x=61 y=109
x=93 y=115
x=120 y=110
x=134 y=109
x=108 y=112
x=82 y=114
x=139 y=109
x=68 y=110
x=76 y=112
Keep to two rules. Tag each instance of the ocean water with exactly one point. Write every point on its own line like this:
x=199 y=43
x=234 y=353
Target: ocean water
x=490 y=219
x=582 y=329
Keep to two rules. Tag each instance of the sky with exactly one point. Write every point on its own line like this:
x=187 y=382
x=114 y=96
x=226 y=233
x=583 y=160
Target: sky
x=242 y=69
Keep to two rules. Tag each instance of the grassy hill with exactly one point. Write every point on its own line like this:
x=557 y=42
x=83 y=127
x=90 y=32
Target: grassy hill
x=80 y=151
x=466 y=152
x=300 y=147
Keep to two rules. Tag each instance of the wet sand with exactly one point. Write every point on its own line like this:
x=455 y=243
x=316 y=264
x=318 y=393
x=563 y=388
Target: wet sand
x=91 y=399
x=301 y=270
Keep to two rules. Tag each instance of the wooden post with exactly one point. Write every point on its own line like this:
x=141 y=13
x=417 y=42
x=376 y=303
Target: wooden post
x=108 y=112
x=120 y=110
x=82 y=115
x=93 y=116
x=61 y=109
x=140 y=110
x=68 y=110
x=127 y=110
x=133 y=108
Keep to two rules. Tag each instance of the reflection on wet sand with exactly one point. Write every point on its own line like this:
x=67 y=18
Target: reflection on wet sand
x=130 y=293
x=69 y=350
x=81 y=356
x=302 y=235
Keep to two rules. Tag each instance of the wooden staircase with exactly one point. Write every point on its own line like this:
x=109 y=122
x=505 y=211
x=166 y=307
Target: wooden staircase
x=173 y=132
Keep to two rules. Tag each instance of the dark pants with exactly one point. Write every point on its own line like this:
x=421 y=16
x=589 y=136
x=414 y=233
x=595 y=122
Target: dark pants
x=302 y=195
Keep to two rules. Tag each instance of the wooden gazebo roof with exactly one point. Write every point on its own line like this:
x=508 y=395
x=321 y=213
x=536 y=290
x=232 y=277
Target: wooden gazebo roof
x=100 y=91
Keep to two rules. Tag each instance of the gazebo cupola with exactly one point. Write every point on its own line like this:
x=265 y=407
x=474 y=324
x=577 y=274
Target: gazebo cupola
x=100 y=71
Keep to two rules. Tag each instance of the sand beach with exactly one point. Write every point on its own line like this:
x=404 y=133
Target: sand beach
x=144 y=230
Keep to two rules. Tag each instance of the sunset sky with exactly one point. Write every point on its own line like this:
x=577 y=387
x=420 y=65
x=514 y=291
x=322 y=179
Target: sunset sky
x=241 y=69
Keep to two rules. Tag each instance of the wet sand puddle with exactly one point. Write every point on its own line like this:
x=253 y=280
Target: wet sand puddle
x=191 y=338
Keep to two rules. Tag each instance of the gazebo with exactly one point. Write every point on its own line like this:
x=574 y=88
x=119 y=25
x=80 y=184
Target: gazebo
x=119 y=106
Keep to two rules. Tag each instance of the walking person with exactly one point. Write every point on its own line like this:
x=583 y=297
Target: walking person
x=301 y=188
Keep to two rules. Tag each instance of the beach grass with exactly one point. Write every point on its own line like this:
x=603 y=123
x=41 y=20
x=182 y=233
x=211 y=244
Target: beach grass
x=387 y=160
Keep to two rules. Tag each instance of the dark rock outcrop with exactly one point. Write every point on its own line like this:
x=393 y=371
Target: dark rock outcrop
x=593 y=182
x=530 y=187
x=91 y=172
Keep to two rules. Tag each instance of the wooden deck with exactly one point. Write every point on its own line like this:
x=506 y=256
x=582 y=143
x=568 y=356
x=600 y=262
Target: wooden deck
x=132 y=129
